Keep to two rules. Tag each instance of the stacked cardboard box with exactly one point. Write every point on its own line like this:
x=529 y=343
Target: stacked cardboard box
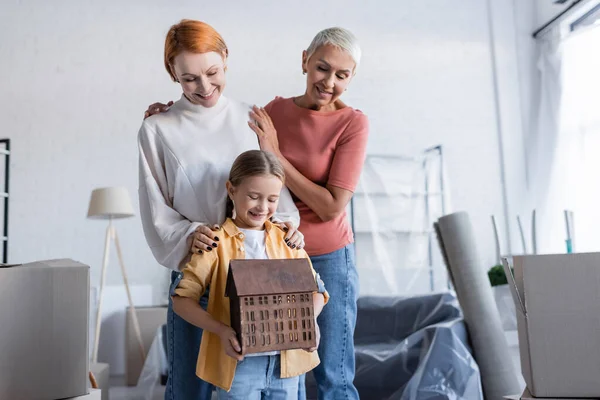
x=101 y=373
x=150 y=319
x=557 y=299
x=44 y=330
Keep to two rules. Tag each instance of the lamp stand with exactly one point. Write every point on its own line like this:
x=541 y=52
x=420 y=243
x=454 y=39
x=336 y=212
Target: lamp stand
x=111 y=235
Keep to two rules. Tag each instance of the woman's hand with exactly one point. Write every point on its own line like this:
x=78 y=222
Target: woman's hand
x=204 y=239
x=157 y=108
x=293 y=238
x=262 y=125
x=230 y=343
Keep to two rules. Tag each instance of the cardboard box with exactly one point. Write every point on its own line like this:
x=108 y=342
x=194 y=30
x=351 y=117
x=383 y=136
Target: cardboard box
x=101 y=372
x=527 y=396
x=557 y=300
x=44 y=330
x=150 y=319
x=94 y=394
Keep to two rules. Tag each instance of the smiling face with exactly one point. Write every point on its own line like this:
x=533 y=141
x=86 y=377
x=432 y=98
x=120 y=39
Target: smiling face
x=329 y=72
x=201 y=75
x=255 y=200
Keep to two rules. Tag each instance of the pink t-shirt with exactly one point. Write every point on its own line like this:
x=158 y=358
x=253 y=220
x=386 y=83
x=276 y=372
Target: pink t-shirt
x=327 y=148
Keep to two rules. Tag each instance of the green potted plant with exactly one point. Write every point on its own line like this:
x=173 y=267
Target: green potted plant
x=497 y=276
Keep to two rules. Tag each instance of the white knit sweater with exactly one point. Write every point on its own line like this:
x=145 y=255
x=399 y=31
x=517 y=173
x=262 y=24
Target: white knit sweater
x=185 y=157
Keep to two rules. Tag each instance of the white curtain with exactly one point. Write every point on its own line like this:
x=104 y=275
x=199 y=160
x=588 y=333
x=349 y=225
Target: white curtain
x=565 y=149
x=543 y=146
x=580 y=125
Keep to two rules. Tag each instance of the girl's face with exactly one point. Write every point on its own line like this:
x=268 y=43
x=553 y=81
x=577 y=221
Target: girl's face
x=201 y=75
x=328 y=73
x=255 y=200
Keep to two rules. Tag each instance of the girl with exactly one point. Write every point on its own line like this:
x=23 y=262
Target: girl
x=255 y=183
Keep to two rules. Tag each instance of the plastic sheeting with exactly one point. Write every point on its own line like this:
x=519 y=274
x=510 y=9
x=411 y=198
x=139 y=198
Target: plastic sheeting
x=412 y=349
x=393 y=209
x=155 y=366
x=506 y=307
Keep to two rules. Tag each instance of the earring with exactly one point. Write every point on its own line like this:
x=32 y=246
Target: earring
x=303 y=72
x=233 y=214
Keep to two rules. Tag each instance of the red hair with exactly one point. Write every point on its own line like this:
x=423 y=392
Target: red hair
x=193 y=36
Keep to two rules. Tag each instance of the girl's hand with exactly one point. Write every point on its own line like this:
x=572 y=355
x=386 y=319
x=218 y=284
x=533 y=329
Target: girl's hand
x=204 y=239
x=294 y=238
x=262 y=125
x=230 y=343
x=157 y=108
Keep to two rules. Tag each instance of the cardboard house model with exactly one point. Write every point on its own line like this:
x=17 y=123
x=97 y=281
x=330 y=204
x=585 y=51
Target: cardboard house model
x=271 y=304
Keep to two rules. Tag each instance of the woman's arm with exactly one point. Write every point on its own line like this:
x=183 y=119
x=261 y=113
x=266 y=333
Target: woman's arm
x=286 y=209
x=327 y=202
x=168 y=233
x=330 y=201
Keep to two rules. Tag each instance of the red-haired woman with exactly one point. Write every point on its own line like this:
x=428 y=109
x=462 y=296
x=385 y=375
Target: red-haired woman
x=185 y=157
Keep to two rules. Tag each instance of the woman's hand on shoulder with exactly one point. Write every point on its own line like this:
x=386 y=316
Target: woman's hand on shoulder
x=293 y=237
x=204 y=239
x=262 y=124
x=157 y=108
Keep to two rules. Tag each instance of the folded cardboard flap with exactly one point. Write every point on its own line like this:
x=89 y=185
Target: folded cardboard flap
x=512 y=284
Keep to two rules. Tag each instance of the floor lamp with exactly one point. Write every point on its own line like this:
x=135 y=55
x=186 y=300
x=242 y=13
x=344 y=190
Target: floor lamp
x=112 y=203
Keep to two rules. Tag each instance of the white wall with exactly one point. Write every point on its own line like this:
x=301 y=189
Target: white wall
x=76 y=77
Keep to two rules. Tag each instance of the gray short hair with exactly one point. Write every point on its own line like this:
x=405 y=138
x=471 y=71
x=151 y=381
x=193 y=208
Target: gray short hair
x=338 y=37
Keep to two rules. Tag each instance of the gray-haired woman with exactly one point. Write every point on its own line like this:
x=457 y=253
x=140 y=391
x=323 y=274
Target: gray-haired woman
x=321 y=143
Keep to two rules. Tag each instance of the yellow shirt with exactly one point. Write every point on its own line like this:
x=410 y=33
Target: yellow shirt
x=214 y=365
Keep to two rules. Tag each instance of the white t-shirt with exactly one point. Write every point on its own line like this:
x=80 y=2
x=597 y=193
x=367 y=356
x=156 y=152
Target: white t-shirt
x=255 y=244
x=255 y=249
x=185 y=157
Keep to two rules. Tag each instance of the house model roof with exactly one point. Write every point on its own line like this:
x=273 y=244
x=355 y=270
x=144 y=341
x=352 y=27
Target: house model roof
x=267 y=277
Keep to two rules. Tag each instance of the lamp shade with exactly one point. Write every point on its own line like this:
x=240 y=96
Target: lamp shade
x=110 y=202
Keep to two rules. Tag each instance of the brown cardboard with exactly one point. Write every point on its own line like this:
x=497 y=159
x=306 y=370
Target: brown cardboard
x=557 y=298
x=150 y=319
x=44 y=330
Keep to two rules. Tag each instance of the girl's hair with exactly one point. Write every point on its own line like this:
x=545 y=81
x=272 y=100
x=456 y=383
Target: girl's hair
x=252 y=163
x=194 y=37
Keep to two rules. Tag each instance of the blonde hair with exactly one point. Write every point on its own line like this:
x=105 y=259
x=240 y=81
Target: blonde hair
x=252 y=163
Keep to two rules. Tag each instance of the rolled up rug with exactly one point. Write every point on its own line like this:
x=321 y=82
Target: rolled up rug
x=491 y=351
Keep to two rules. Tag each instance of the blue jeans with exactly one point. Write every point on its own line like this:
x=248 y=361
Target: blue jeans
x=335 y=374
x=183 y=344
x=258 y=378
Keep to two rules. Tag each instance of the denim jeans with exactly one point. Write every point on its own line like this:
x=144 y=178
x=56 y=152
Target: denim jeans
x=183 y=344
x=335 y=374
x=259 y=378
